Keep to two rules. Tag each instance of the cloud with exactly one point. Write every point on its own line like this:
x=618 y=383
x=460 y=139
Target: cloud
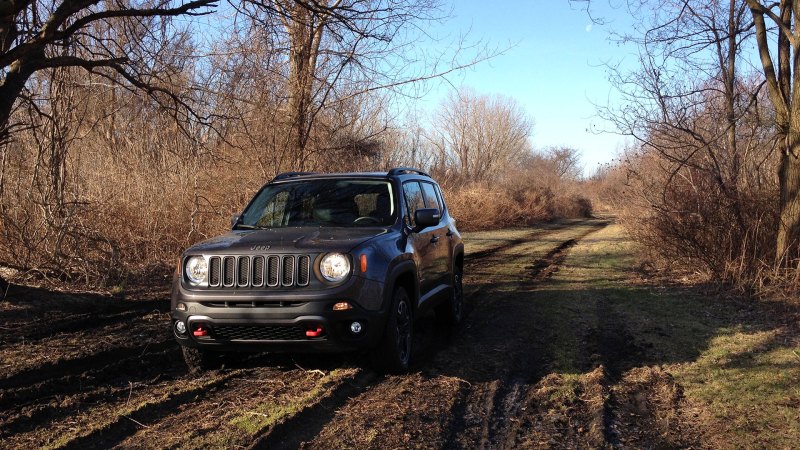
x=589 y=27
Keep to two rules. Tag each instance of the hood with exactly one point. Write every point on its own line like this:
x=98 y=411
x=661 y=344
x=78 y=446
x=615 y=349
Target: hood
x=287 y=240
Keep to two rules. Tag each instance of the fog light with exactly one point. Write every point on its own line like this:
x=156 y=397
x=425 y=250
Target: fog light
x=180 y=327
x=342 y=306
x=355 y=327
x=181 y=306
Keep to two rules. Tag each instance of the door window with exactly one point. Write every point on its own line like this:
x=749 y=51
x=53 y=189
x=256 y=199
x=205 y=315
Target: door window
x=414 y=201
x=431 y=199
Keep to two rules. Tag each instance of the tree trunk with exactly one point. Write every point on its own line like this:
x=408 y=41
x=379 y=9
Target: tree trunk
x=305 y=30
x=789 y=180
x=11 y=85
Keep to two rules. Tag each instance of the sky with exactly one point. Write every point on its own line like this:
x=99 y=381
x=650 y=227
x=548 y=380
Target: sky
x=555 y=68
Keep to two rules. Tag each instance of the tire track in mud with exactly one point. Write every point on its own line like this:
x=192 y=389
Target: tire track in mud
x=511 y=243
x=26 y=408
x=633 y=397
x=81 y=322
x=513 y=388
x=97 y=363
x=262 y=407
x=611 y=347
x=37 y=396
x=485 y=407
x=545 y=268
x=50 y=392
x=111 y=421
x=493 y=255
x=62 y=374
x=124 y=425
x=304 y=426
x=611 y=344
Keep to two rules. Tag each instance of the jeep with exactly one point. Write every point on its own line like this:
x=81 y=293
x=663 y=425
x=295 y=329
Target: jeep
x=319 y=263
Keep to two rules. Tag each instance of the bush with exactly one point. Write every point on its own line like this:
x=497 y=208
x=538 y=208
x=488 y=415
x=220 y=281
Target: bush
x=479 y=207
x=684 y=220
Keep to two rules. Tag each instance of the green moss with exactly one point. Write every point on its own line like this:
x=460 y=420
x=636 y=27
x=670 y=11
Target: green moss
x=266 y=415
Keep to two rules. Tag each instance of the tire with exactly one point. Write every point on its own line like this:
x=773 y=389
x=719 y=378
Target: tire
x=199 y=360
x=393 y=355
x=451 y=312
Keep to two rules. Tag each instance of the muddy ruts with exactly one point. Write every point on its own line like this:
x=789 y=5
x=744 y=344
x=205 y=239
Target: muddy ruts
x=304 y=425
x=126 y=425
x=28 y=407
x=80 y=322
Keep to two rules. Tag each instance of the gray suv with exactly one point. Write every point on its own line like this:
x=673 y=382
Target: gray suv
x=323 y=262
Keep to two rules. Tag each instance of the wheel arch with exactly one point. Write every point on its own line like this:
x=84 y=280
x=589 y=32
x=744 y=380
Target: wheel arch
x=403 y=274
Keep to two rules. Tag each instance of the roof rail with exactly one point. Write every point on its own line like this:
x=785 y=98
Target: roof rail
x=402 y=170
x=284 y=175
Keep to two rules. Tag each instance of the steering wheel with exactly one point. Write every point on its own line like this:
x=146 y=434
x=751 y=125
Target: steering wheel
x=367 y=219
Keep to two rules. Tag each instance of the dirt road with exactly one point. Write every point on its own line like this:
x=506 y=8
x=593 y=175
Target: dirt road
x=543 y=360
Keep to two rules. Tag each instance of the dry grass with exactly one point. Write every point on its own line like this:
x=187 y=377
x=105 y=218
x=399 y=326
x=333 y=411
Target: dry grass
x=479 y=207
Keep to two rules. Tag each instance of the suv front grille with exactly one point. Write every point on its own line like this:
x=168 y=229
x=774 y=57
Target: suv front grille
x=259 y=271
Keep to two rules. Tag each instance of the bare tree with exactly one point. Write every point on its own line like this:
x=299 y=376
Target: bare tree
x=783 y=84
x=332 y=51
x=480 y=135
x=566 y=162
x=688 y=63
x=34 y=36
x=67 y=70
x=697 y=184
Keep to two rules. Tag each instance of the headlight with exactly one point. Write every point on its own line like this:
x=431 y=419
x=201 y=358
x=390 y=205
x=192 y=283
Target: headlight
x=334 y=267
x=196 y=270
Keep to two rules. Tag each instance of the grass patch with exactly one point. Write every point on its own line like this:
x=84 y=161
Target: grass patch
x=255 y=420
x=733 y=359
x=748 y=381
x=268 y=414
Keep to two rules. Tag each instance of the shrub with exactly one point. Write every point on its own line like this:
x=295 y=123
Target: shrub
x=480 y=207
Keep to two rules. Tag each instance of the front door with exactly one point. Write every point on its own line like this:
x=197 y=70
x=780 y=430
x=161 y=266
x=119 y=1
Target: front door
x=431 y=246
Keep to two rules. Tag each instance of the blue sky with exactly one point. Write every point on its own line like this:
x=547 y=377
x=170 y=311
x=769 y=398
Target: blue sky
x=555 y=70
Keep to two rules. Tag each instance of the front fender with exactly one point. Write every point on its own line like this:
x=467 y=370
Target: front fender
x=398 y=269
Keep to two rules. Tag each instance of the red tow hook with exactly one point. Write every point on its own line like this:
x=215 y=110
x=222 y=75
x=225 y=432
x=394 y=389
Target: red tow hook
x=315 y=333
x=200 y=332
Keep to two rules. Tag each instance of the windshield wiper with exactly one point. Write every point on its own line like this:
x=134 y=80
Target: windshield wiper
x=244 y=226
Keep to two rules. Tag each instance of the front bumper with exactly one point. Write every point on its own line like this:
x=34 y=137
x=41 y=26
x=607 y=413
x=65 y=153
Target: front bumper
x=278 y=321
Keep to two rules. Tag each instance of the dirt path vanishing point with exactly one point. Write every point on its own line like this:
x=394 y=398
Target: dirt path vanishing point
x=542 y=360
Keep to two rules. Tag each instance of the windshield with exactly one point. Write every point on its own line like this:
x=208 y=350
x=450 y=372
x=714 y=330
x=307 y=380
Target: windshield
x=322 y=203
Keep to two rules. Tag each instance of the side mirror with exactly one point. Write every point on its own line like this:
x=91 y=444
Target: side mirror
x=235 y=220
x=426 y=217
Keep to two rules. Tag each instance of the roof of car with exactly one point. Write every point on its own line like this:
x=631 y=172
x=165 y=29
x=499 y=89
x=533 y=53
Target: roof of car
x=396 y=172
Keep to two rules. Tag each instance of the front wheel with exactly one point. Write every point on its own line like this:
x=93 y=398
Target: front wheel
x=199 y=360
x=451 y=312
x=393 y=355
